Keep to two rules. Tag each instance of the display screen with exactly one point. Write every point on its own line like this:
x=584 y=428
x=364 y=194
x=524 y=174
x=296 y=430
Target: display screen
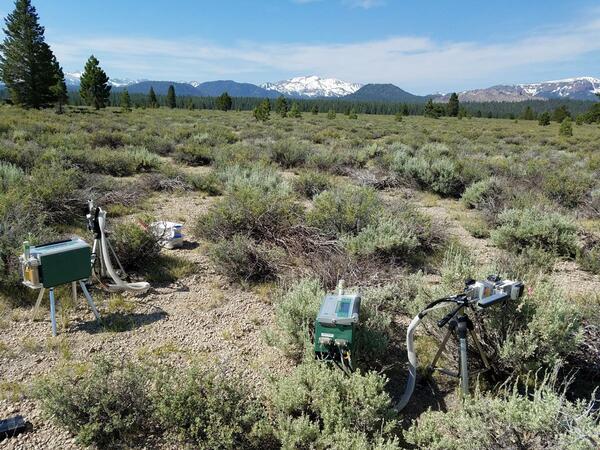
x=343 y=309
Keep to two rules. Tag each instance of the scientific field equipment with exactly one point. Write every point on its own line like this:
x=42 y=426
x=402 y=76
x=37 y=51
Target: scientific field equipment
x=169 y=234
x=12 y=426
x=335 y=328
x=102 y=251
x=50 y=265
x=477 y=295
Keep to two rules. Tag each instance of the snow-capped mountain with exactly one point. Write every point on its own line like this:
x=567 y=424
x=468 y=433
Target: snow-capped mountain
x=313 y=86
x=73 y=78
x=579 y=88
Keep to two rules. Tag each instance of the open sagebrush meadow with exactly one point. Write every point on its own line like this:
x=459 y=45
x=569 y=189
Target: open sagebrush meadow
x=217 y=353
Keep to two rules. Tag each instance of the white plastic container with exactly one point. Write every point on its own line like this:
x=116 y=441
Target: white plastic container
x=169 y=233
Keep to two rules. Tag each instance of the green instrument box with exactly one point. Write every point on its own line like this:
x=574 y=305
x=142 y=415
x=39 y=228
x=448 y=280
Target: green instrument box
x=63 y=262
x=336 y=322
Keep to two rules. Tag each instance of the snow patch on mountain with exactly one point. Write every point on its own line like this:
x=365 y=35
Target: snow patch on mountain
x=74 y=78
x=313 y=86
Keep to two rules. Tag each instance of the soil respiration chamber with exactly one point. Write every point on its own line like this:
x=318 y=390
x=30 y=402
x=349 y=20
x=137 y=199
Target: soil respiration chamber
x=335 y=328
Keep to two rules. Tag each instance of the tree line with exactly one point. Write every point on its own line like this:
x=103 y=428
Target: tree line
x=34 y=79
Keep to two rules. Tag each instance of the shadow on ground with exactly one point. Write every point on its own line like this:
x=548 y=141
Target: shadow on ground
x=120 y=322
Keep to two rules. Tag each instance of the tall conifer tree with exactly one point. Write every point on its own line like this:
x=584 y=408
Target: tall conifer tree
x=59 y=89
x=94 y=87
x=171 y=98
x=125 y=101
x=453 y=105
x=152 y=100
x=26 y=61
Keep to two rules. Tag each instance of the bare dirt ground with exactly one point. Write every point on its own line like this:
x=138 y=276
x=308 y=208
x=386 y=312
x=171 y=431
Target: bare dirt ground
x=200 y=316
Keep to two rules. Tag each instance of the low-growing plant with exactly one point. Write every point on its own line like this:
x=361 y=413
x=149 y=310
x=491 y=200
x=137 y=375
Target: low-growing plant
x=256 y=202
x=10 y=175
x=484 y=195
x=311 y=183
x=208 y=410
x=320 y=407
x=541 y=418
x=243 y=259
x=289 y=153
x=134 y=244
x=344 y=210
x=106 y=405
x=194 y=155
x=523 y=228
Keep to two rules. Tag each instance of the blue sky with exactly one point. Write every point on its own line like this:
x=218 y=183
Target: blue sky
x=424 y=47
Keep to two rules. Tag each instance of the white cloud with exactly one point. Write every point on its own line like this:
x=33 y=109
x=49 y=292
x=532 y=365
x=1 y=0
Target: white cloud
x=412 y=62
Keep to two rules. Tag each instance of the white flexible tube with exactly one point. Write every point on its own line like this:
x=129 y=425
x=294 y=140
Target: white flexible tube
x=412 y=357
x=119 y=285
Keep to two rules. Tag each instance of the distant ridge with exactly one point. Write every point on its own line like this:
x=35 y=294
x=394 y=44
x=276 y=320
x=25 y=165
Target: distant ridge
x=235 y=89
x=384 y=93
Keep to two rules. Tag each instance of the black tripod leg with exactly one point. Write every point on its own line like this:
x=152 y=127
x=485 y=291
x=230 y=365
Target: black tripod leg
x=463 y=366
x=440 y=349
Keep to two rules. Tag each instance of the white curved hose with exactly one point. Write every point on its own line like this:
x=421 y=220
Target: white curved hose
x=119 y=285
x=412 y=357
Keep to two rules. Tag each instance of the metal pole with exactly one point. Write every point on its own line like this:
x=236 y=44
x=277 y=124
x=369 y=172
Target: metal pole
x=480 y=349
x=36 y=308
x=52 y=312
x=441 y=349
x=74 y=292
x=464 y=367
x=88 y=297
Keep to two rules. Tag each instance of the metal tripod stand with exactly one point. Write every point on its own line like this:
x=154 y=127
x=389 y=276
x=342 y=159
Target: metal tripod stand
x=459 y=323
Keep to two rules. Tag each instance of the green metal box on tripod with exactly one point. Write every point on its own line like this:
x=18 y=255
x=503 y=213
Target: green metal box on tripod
x=336 y=322
x=63 y=262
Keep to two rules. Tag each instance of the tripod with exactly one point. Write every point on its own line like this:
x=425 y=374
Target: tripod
x=459 y=323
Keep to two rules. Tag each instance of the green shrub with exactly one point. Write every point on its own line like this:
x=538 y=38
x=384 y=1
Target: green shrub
x=107 y=139
x=344 y=210
x=522 y=228
x=319 y=407
x=483 y=195
x=589 y=258
x=209 y=183
x=543 y=419
x=430 y=168
x=107 y=405
x=10 y=175
x=295 y=312
x=289 y=153
x=243 y=259
x=194 y=155
x=566 y=128
x=401 y=233
x=543 y=329
x=208 y=410
x=256 y=202
x=135 y=246
x=567 y=189
x=311 y=183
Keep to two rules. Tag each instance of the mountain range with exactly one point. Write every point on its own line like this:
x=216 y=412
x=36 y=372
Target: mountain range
x=579 y=88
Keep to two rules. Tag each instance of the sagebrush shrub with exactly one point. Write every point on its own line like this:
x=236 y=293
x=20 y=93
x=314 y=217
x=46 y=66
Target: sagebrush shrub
x=311 y=183
x=107 y=405
x=483 y=195
x=10 y=175
x=256 y=202
x=207 y=409
x=522 y=228
x=289 y=153
x=543 y=419
x=344 y=210
x=316 y=405
x=134 y=245
x=194 y=155
x=243 y=259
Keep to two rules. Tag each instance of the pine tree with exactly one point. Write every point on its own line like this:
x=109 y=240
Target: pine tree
x=152 y=100
x=315 y=110
x=94 y=88
x=171 y=98
x=561 y=113
x=26 y=62
x=59 y=90
x=331 y=114
x=295 y=111
x=263 y=111
x=224 y=102
x=566 y=127
x=528 y=114
x=405 y=111
x=125 y=101
x=281 y=106
x=398 y=117
x=544 y=119
x=430 y=110
x=353 y=114
x=453 y=105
